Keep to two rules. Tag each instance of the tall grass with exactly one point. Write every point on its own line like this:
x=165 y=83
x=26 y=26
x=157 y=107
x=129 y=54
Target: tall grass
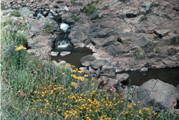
x=33 y=89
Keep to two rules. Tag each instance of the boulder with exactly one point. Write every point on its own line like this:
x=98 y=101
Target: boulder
x=124 y=77
x=24 y=12
x=53 y=53
x=99 y=63
x=65 y=53
x=130 y=12
x=86 y=60
x=161 y=33
x=146 y=6
x=37 y=26
x=140 y=42
x=172 y=51
x=62 y=63
x=104 y=79
x=115 y=50
x=108 y=71
x=156 y=93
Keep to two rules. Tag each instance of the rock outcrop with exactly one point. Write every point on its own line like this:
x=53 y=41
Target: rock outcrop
x=156 y=93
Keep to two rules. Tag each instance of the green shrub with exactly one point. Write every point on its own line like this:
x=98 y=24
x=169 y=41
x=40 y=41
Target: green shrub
x=139 y=53
x=22 y=37
x=15 y=13
x=72 y=2
x=48 y=28
x=89 y=10
x=175 y=31
x=157 y=49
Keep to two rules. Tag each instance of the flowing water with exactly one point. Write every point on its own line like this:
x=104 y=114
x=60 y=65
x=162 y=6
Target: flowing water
x=62 y=43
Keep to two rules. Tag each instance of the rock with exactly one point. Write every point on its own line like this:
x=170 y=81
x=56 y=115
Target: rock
x=104 y=79
x=53 y=53
x=37 y=26
x=144 y=69
x=107 y=71
x=124 y=77
x=139 y=30
x=126 y=36
x=146 y=6
x=65 y=53
x=14 y=20
x=174 y=40
x=43 y=44
x=113 y=82
x=156 y=93
x=172 y=51
x=62 y=63
x=24 y=12
x=140 y=42
x=170 y=63
x=40 y=41
x=161 y=33
x=86 y=60
x=176 y=8
x=64 y=27
x=130 y=13
x=50 y=16
x=32 y=51
x=6 y=12
x=99 y=63
x=115 y=50
x=177 y=87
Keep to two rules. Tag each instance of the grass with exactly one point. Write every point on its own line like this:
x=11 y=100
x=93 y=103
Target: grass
x=33 y=89
x=48 y=28
x=15 y=13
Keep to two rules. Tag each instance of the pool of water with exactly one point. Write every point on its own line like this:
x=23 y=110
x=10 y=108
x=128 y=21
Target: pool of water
x=168 y=75
x=74 y=57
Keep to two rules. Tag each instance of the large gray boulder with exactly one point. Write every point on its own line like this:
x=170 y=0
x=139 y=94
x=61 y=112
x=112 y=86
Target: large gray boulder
x=24 y=12
x=158 y=93
x=124 y=77
x=99 y=63
x=86 y=60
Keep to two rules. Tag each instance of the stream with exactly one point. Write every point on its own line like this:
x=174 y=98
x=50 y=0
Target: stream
x=62 y=43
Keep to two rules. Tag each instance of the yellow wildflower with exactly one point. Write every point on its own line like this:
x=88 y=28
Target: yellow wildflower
x=20 y=47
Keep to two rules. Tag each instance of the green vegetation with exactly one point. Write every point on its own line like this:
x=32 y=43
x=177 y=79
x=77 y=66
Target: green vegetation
x=22 y=37
x=75 y=18
x=157 y=49
x=139 y=53
x=99 y=2
x=34 y=89
x=48 y=28
x=15 y=13
x=72 y=2
x=175 y=31
x=89 y=10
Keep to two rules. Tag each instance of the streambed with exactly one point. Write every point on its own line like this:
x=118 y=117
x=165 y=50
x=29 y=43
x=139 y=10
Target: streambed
x=168 y=75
